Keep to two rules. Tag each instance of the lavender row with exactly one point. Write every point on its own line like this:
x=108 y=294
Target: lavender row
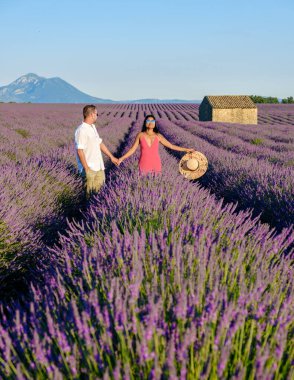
x=273 y=143
x=266 y=188
x=276 y=114
x=160 y=280
x=273 y=117
x=277 y=137
x=273 y=152
x=37 y=196
x=28 y=131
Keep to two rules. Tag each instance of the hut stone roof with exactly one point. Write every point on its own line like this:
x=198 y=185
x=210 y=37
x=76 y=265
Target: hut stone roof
x=230 y=101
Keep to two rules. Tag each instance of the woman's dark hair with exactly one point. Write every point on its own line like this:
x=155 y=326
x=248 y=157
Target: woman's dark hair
x=144 y=128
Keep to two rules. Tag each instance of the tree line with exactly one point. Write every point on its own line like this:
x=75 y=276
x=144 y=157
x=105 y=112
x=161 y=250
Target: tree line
x=271 y=99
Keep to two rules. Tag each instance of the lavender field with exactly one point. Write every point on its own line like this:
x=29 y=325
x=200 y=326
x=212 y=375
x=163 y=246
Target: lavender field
x=156 y=277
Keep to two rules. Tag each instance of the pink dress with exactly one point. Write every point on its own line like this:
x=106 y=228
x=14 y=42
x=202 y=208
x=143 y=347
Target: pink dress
x=149 y=159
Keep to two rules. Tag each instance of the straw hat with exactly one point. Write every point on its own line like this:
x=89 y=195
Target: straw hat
x=193 y=165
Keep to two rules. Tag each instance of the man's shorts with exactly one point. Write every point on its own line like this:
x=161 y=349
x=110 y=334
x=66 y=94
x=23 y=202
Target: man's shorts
x=93 y=180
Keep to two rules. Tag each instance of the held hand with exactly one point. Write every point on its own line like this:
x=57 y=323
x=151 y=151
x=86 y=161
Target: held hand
x=114 y=160
x=190 y=150
x=120 y=160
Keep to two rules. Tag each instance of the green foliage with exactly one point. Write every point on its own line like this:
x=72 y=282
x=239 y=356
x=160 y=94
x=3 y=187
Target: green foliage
x=288 y=100
x=23 y=132
x=256 y=141
x=65 y=197
x=262 y=99
x=271 y=99
x=8 y=247
x=10 y=155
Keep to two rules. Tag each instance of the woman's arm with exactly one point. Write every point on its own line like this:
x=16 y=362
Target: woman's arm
x=167 y=144
x=132 y=150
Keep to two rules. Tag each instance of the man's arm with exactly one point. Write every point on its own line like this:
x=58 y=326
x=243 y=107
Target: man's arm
x=108 y=153
x=82 y=158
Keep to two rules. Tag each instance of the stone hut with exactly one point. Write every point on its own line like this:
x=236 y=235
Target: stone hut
x=228 y=109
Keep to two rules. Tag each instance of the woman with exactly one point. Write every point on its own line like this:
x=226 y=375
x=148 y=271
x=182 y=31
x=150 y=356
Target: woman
x=149 y=139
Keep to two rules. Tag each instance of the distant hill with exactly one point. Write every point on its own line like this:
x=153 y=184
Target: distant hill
x=35 y=89
x=146 y=101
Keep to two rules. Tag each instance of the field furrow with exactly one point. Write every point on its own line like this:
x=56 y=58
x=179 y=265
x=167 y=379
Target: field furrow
x=158 y=277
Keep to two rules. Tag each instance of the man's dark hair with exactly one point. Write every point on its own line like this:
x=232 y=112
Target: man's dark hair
x=87 y=110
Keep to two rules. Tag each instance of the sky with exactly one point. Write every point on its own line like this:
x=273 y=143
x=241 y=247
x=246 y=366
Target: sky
x=166 y=49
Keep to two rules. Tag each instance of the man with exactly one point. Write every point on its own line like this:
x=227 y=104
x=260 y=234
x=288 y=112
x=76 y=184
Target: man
x=89 y=147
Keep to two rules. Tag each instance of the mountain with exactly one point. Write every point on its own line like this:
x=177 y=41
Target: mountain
x=35 y=89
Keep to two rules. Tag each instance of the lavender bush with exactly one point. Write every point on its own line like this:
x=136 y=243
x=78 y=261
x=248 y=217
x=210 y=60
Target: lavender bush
x=159 y=279
x=40 y=188
x=266 y=187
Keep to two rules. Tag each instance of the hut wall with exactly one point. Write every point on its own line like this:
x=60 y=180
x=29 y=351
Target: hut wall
x=205 y=111
x=235 y=115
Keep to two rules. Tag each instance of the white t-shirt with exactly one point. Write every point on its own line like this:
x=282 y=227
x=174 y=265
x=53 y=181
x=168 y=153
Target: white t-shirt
x=87 y=138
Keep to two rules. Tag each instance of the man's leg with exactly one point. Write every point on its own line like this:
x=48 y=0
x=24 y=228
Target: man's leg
x=99 y=180
x=89 y=182
x=94 y=181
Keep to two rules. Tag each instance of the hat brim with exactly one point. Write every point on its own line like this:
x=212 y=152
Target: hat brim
x=193 y=174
